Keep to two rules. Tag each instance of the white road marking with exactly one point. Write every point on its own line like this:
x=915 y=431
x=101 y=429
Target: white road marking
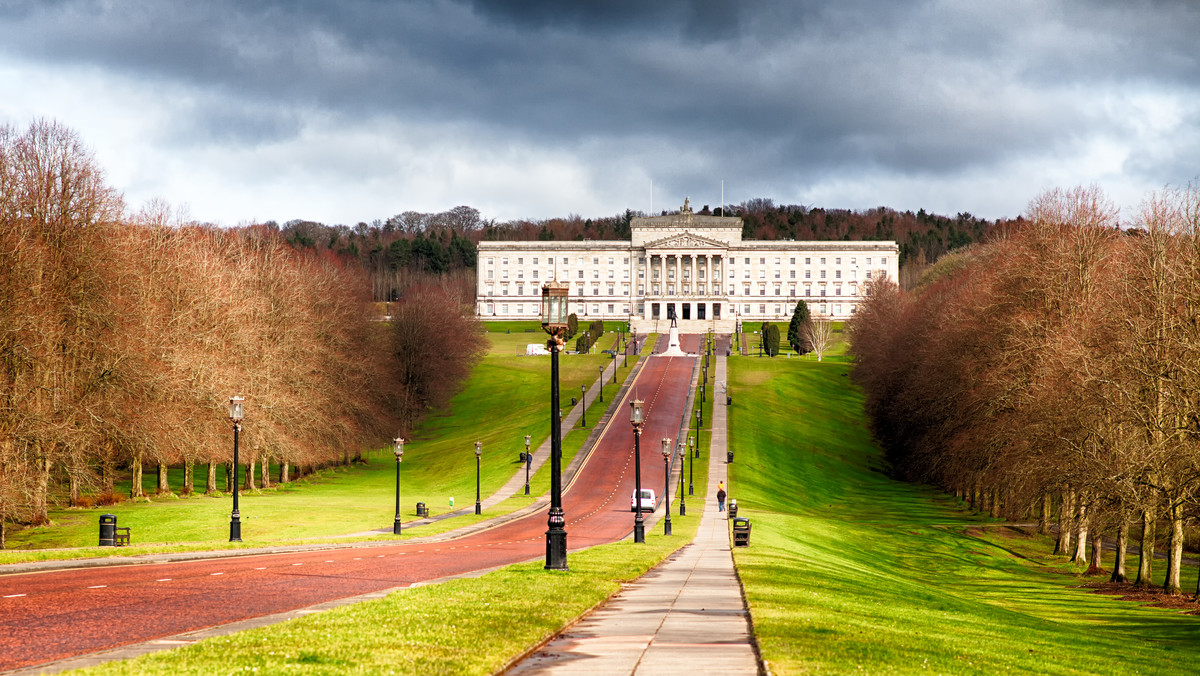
x=98 y=586
x=216 y=573
x=165 y=579
x=13 y=596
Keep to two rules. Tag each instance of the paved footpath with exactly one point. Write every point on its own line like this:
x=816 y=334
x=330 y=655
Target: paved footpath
x=687 y=615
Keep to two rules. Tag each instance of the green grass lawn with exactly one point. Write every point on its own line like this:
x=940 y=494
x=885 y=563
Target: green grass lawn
x=852 y=571
x=504 y=399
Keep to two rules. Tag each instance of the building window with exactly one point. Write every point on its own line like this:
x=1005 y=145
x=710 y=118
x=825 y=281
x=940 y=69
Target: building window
x=837 y=261
x=520 y=261
x=808 y=261
x=837 y=274
x=837 y=290
x=503 y=309
x=778 y=309
x=762 y=261
x=868 y=261
x=853 y=261
x=822 y=292
x=762 y=274
x=777 y=290
x=837 y=309
x=489 y=276
x=504 y=290
x=535 y=261
x=611 y=273
x=776 y=274
x=747 y=263
x=595 y=261
x=581 y=274
x=808 y=274
x=641 y=290
x=762 y=309
x=823 y=308
x=883 y=261
x=611 y=308
x=611 y=261
x=504 y=261
x=791 y=261
x=641 y=260
x=595 y=309
x=535 y=274
x=867 y=274
x=822 y=274
x=807 y=291
x=822 y=261
x=791 y=274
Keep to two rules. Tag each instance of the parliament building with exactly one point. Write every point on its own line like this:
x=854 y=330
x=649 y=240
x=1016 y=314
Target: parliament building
x=697 y=266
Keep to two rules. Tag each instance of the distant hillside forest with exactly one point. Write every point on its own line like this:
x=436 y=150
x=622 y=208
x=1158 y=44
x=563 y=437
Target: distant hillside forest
x=417 y=248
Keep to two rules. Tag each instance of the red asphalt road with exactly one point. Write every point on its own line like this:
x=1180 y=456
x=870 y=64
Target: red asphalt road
x=50 y=616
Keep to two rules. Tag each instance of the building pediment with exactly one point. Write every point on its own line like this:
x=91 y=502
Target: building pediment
x=686 y=240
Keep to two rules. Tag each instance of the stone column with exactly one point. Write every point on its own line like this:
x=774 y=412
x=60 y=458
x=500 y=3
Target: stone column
x=693 y=273
x=708 y=272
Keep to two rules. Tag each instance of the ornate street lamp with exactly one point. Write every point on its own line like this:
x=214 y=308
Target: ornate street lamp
x=637 y=417
x=601 y=399
x=235 y=417
x=666 y=452
x=478 y=456
x=614 y=364
x=691 y=465
x=682 y=504
x=583 y=402
x=399 y=450
x=554 y=323
x=528 y=462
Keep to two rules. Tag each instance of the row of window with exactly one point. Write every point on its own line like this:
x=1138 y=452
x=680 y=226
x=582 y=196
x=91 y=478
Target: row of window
x=582 y=309
x=837 y=260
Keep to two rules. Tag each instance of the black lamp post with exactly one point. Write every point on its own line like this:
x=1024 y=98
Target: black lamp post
x=528 y=462
x=637 y=419
x=583 y=402
x=702 y=393
x=699 y=421
x=691 y=464
x=666 y=451
x=682 y=504
x=478 y=456
x=399 y=454
x=614 y=360
x=554 y=322
x=601 y=399
x=235 y=416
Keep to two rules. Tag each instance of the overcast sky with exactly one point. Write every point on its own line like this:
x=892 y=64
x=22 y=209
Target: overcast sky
x=355 y=110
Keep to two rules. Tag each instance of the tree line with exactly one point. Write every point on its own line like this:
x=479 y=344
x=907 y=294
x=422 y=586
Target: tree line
x=418 y=248
x=123 y=334
x=1053 y=372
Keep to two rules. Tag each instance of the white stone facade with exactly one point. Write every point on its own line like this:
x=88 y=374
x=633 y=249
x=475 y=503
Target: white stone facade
x=699 y=265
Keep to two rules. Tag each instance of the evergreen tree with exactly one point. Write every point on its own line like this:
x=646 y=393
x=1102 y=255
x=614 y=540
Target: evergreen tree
x=795 y=333
x=771 y=341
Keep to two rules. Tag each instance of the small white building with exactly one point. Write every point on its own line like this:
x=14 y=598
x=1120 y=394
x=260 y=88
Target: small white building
x=698 y=266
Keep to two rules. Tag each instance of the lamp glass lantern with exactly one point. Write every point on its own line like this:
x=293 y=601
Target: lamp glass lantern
x=666 y=447
x=554 y=306
x=235 y=408
x=478 y=448
x=637 y=412
x=399 y=448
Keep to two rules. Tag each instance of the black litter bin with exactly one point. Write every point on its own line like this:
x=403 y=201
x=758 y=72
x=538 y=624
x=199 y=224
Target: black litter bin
x=108 y=530
x=741 y=532
x=728 y=400
x=732 y=509
x=522 y=456
x=574 y=401
x=728 y=456
x=421 y=510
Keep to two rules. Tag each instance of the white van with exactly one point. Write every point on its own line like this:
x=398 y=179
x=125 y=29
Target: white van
x=648 y=501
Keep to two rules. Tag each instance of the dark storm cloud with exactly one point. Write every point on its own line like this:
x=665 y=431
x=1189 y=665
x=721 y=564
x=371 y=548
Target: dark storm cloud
x=781 y=92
